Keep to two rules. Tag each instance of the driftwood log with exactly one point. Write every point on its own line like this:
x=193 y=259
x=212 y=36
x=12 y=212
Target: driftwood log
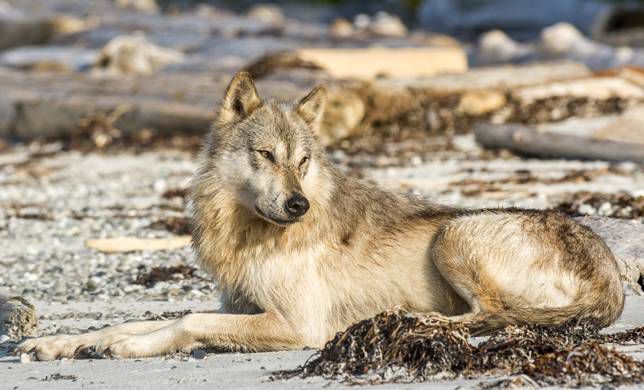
x=37 y=116
x=17 y=317
x=529 y=142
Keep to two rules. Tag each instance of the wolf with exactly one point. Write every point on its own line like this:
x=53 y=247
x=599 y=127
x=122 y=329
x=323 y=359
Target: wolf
x=300 y=251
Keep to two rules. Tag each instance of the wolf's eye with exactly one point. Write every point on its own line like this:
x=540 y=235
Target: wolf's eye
x=267 y=155
x=304 y=160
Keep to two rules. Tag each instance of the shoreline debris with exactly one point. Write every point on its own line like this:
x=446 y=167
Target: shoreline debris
x=402 y=347
x=133 y=244
x=614 y=205
x=17 y=317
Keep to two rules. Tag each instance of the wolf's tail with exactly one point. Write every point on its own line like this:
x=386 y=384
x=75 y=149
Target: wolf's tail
x=601 y=311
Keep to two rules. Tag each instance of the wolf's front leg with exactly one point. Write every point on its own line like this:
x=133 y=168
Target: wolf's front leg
x=259 y=332
x=69 y=346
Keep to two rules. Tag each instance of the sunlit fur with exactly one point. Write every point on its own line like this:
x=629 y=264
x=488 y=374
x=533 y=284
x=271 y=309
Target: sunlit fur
x=290 y=283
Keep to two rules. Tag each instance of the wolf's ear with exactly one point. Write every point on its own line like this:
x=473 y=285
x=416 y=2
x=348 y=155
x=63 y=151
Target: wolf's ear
x=311 y=107
x=241 y=99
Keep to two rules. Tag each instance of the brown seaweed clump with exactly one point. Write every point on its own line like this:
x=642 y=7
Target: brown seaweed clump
x=162 y=274
x=587 y=364
x=393 y=346
x=632 y=336
x=617 y=205
x=510 y=349
x=398 y=346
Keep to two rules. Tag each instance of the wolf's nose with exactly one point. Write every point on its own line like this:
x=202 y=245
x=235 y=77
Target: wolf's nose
x=297 y=205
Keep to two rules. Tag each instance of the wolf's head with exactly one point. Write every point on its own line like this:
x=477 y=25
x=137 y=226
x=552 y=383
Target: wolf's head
x=266 y=152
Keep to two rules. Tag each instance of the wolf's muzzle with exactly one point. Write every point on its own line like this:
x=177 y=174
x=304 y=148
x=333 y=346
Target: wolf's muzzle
x=296 y=206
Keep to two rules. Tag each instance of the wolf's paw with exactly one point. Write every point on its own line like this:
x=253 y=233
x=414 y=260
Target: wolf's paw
x=116 y=347
x=126 y=347
x=51 y=347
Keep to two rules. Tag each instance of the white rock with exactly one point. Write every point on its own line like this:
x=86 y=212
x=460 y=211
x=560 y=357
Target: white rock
x=135 y=54
x=495 y=46
x=564 y=41
x=606 y=209
x=267 y=13
x=587 y=209
x=387 y=25
x=562 y=37
x=361 y=21
x=25 y=358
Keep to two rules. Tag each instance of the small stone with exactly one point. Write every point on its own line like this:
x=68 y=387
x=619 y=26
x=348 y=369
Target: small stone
x=362 y=21
x=198 y=354
x=606 y=209
x=267 y=13
x=480 y=102
x=387 y=25
x=17 y=317
x=25 y=358
x=586 y=209
x=341 y=28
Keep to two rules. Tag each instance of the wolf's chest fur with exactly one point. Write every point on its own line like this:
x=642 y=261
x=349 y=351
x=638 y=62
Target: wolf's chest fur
x=252 y=259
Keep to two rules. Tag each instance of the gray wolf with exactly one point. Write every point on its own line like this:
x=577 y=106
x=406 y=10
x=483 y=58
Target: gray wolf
x=301 y=251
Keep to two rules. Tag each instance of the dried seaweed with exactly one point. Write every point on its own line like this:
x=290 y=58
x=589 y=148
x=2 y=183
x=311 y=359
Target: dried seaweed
x=398 y=346
x=586 y=364
x=475 y=187
x=175 y=193
x=162 y=274
x=29 y=211
x=166 y=315
x=616 y=205
x=418 y=113
x=59 y=377
x=176 y=225
x=395 y=341
x=511 y=348
x=631 y=336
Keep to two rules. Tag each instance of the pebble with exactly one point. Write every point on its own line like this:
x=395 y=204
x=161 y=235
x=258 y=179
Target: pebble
x=198 y=354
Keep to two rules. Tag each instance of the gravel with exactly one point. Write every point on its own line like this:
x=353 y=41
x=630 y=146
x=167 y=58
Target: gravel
x=93 y=196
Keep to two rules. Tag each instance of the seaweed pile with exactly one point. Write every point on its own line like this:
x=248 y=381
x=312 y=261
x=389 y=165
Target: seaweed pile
x=617 y=205
x=163 y=274
x=416 y=113
x=398 y=346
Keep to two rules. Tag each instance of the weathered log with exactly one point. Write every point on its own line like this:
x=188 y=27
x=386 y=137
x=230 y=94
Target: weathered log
x=393 y=62
x=533 y=143
x=19 y=30
x=17 y=317
x=495 y=78
x=37 y=116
